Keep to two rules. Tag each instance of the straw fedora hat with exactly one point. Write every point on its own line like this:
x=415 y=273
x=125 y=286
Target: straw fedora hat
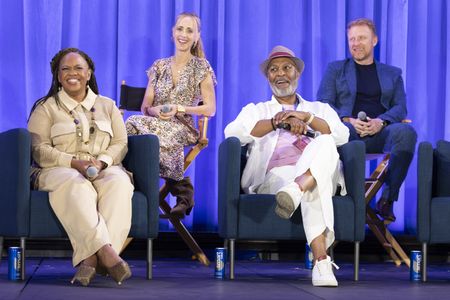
x=281 y=51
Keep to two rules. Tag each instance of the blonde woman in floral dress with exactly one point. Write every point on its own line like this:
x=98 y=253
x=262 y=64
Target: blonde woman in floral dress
x=176 y=85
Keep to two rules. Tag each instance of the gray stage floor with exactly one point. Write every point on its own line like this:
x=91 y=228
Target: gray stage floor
x=49 y=278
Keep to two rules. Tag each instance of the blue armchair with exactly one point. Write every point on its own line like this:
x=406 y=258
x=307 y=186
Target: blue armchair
x=27 y=213
x=252 y=217
x=433 y=197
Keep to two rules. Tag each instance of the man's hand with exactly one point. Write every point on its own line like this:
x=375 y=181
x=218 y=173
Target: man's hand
x=363 y=128
x=298 y=127
x=373 y=126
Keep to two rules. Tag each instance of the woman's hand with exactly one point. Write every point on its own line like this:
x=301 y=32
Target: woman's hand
x=80 y=165
x=163 y=112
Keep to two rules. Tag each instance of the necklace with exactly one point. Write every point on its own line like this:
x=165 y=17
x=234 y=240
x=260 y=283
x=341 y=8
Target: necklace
x=77 y=124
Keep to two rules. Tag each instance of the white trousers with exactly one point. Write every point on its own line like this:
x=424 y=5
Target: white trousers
x=322 y=159
x=92 y=213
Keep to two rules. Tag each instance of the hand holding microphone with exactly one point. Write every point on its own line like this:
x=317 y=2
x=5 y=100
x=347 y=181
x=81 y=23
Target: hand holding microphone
x=166 y=108
x=91 y=172
x=309 y=133
x=362 y=116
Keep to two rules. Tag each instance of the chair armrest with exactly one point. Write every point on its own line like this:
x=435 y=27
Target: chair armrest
x=424 y=190
x=352 y=155
x=142 y=160
x=15 y=156
x=229 y=186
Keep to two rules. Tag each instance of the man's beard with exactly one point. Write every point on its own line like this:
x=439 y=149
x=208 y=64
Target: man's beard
x=289 y=91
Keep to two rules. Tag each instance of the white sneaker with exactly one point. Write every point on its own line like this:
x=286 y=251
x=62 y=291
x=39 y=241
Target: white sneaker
x=322 y=273
x=288 y=199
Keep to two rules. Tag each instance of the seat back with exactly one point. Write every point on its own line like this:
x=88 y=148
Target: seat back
x=131 y=97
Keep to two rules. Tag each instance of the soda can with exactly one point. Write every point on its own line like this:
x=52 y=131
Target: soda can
x=14 y=263
x=219 y=271
x=309 y=257
x=415 y=266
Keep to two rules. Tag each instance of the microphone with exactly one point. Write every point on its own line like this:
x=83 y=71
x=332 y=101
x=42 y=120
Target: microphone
x=166 y=109
x=362 y=116
x=309 y=133
x=91 y=172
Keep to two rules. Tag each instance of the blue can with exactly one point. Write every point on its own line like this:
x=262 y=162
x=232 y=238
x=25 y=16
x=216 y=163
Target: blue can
x=219 y=271
x=415 y=266
x=14 y=263
x=309 y=257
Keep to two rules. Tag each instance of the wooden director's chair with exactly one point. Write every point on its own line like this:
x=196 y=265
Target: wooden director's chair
x=375 y=223
x=131 y=99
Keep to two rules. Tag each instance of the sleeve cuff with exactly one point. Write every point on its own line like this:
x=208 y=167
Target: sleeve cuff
x=65 y=160
x=106 y=158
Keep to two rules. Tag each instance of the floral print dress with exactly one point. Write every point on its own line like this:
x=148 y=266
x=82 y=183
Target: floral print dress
x=180 y=130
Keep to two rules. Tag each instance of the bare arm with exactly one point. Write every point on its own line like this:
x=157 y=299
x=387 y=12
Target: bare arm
x=262 y=128
x=146 y=106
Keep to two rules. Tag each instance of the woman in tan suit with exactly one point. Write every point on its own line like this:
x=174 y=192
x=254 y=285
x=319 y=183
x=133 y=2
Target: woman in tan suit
x=78 y=143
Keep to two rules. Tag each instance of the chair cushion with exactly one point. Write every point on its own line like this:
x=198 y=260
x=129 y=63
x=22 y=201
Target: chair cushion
x=257 y=219
x=45 y=224
x=43 y=221
x=442 y=170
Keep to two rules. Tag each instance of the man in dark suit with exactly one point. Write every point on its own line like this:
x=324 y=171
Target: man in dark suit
x=370 y=99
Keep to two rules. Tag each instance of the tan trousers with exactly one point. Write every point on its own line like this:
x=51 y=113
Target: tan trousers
x=92 y=213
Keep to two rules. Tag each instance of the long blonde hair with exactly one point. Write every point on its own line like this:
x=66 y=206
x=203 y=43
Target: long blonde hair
x=197 y=47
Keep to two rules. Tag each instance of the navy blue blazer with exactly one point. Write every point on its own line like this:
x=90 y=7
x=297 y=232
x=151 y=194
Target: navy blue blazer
x=338 y=88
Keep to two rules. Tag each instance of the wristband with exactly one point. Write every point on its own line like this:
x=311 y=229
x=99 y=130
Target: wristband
x=311 y=118
x=273 y=125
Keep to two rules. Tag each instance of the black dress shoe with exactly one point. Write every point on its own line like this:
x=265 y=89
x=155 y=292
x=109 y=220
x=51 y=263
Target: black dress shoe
x=385 y=210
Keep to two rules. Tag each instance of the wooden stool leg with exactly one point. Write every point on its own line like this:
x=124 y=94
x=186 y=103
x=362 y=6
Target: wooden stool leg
x=378 y=227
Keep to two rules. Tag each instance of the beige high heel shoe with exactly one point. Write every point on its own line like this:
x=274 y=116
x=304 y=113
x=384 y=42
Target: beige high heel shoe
x=120 y=272
x=83 y=275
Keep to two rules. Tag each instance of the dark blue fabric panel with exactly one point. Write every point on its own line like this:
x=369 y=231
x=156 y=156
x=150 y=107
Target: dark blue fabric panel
x=442 y=169
x=229 y=187
x=15 y=145
x=43 y=221
x=424 y=190
x=352 y=156
x=143 y=161
x=345 y=216
x=440 y=220
x=257 y=220
x=140 y=218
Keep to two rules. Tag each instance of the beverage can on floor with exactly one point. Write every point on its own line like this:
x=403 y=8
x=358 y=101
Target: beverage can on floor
x=14 y=263
x=415 y=266
x=309 y=257
x=219 y=271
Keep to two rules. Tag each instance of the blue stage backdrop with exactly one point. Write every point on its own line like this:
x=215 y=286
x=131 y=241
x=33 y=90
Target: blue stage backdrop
x=124 y=37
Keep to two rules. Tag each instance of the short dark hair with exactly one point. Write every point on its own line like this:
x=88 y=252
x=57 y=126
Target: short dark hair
x=363 y=21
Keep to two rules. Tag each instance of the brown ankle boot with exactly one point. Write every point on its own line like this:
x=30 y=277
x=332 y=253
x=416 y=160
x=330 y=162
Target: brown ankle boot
x=184 y=191
x=385 y=209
